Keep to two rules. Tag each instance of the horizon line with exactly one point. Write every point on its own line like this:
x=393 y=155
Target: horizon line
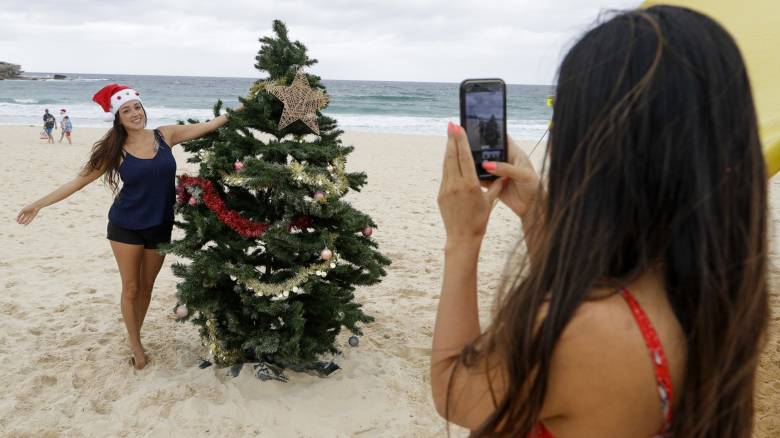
x=249 y=78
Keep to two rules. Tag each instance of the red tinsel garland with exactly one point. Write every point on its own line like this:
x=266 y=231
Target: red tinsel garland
x=241 y=225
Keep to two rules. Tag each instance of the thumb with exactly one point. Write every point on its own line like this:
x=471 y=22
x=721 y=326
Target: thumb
x=495 y=189
x=507 y=170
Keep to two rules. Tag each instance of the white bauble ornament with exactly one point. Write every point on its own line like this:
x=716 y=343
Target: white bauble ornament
x=182 y=311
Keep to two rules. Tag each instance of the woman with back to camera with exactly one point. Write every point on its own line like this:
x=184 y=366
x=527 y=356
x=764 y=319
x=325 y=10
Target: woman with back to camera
x=642 y=304
x=141 y=217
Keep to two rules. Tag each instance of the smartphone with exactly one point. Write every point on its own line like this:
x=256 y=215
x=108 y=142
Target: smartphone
x=483 y=116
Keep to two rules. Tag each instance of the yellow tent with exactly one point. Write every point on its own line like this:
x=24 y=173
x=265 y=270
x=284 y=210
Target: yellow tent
x=755 y=26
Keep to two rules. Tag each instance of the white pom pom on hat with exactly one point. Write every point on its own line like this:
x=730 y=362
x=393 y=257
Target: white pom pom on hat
x=112 y=97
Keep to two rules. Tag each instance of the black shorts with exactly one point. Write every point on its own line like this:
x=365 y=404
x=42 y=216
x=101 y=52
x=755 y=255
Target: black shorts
x=150 y=238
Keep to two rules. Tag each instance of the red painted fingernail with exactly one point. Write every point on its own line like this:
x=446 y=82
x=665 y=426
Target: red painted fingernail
x=488 y=165
x=456 y=129
x=450 y=128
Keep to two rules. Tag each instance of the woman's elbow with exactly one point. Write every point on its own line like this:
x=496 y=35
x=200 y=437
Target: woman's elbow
x=448 y=411
x=440 y=403
x=440 y=377
x=453 y=401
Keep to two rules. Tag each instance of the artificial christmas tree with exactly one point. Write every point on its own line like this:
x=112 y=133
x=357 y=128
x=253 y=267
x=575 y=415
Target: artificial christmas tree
x=275 y=253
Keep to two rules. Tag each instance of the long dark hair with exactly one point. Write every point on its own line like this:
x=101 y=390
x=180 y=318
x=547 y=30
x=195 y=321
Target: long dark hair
x=107 y=153
x=654 y=158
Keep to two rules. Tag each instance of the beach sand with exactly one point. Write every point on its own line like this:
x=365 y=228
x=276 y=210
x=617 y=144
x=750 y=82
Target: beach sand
x=63 y=345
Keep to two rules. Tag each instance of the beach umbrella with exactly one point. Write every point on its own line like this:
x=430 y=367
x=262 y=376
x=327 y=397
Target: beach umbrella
x=755 y=26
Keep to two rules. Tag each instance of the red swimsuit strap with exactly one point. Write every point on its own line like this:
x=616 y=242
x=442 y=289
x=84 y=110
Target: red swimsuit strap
x=657 y=356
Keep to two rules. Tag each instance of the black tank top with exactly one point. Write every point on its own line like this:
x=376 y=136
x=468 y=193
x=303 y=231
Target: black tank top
x=148 y=189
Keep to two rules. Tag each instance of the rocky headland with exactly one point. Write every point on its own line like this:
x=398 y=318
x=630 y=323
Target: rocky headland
x=14 y=71
x=10 y=71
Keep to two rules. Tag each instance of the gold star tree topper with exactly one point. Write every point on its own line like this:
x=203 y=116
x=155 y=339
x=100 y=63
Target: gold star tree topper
x=301 y=102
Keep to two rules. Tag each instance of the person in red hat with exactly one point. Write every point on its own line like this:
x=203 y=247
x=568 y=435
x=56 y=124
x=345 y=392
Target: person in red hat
x=141 y=216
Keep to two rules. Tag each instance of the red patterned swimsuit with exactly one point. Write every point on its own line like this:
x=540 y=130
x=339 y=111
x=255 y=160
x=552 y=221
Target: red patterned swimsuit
x=660 y=366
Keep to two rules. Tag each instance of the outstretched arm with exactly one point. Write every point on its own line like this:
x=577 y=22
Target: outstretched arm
x=175 y=134
x=28 y=213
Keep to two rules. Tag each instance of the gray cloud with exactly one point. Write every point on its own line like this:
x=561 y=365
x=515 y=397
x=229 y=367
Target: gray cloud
x=521 y=40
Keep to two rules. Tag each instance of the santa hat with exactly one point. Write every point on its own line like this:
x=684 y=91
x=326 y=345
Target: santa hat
x=112 y=97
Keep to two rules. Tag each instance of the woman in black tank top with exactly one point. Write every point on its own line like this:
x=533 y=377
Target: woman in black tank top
x=142 y=214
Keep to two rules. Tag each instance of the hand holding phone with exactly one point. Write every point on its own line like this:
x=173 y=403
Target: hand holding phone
x=523 y=187
x=483 y=116
x=460 y=191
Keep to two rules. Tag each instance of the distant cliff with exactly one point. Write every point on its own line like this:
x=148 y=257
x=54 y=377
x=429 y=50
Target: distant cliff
x=10 y=71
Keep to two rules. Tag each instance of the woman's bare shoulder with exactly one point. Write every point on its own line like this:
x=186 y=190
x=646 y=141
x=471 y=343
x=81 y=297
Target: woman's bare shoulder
x=597 y=329
x=601 y=359
x=166 y=131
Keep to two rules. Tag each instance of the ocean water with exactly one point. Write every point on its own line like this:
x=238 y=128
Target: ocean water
x=368 y=106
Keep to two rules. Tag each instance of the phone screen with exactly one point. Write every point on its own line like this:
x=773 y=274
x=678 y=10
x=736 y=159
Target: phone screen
x=483 y=115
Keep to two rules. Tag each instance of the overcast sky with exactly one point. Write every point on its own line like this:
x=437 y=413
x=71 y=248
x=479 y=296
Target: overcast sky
x=521 y=41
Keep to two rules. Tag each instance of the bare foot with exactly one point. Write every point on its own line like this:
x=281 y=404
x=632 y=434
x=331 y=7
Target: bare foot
x=138 y=360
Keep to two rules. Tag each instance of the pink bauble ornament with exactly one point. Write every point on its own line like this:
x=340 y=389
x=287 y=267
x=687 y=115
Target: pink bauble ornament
x=192 y=201
x=319 y=196
x=326 y=254
x=238 y=165
x=182 y=311
x=368 y=231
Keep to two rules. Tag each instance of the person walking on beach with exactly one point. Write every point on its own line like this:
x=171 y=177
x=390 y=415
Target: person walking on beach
x=642 y=304
x=67 y=128
x=141 y=216
x=49 y=123
x=63 y=114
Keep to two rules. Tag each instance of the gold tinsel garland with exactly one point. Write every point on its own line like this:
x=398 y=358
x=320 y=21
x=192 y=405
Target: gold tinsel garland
x=317 y=181
x=320 y=181
x=236 y=180
x=220 y=355
x=280 y=291
x=337 y=184
x=257 y=88
x=205 y=155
